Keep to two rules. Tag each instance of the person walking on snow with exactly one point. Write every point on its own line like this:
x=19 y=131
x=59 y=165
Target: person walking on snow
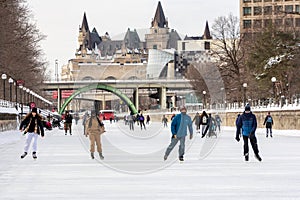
x=32 y=126
x=142 y=121
x=165 y=121
x=248 y=124
x=130 y=121
x=94 y=128
x=197 y=121
x=269 y=123
x=179 y=126
x=204 y=123
x=147 y=119
x=218 y=122
x=68 y=123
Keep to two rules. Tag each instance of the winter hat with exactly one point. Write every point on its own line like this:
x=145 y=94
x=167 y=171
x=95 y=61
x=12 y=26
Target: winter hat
x=247 y=108
x=34 y=109
x=93 y=112
x=182 y=109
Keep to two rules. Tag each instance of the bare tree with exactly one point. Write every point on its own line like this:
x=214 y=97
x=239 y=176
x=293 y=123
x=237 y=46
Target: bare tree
x=206 y=77
x=228 y=50
x=20 y=54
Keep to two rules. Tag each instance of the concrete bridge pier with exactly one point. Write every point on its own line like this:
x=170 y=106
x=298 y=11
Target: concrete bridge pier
x=163 y=97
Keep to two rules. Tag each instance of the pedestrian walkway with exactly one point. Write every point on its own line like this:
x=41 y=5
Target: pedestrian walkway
x=133 y=168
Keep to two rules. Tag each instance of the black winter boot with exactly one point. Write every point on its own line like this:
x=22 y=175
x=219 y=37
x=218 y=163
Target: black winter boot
x=247 y=157
x=181 y=158
x=258 y=157
x=34 y=155
x=23 y=155
x=101 y=156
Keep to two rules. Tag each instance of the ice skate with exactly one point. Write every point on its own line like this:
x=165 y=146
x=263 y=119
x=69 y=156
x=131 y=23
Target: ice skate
x=101 y=156
x=23 y=155
x=34 y=155
x=258 y=157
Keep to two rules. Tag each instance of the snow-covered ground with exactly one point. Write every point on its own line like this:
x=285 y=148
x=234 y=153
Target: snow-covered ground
x=133 y=167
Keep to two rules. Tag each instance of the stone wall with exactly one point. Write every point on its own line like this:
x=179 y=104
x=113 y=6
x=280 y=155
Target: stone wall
x=283 y=120
x=6 y=125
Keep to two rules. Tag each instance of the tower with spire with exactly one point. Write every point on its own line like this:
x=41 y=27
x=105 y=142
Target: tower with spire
x=160 y=36
x=87 y=40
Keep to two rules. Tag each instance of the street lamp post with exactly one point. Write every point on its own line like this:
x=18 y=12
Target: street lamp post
x=56 y=70
x=204 y=99
x=245 y=91
x=273 y=79
x=28 y=100
x=24 y=95
x=4 y=77
x=21 y=98
x=16 y=91
x=10 y=81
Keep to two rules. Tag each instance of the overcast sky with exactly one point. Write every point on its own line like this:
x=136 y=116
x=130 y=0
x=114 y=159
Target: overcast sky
x=59 y=20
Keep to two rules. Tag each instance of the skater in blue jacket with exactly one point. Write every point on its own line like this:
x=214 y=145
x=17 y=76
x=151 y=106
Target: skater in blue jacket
x=179 y=126
x=247 y=122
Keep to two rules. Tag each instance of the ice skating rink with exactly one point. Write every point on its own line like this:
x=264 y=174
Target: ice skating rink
x=133 y=168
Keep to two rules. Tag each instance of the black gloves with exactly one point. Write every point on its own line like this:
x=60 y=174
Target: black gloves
x=251 y=134
x=237 y=137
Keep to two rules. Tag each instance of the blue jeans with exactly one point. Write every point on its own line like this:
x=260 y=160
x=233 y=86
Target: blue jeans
x=173 y=144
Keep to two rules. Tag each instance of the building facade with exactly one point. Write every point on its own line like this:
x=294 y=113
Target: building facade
x=129 y=57
x=160 y=36
x=257 y=14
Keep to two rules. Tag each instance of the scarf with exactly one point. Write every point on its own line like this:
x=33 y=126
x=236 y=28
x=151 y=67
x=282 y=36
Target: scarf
x=35 y=126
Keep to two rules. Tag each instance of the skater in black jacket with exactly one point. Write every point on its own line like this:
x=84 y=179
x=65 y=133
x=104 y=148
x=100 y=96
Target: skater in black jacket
x=247 y=124
x=269 y=123
x=68 y=123
x=32 y=126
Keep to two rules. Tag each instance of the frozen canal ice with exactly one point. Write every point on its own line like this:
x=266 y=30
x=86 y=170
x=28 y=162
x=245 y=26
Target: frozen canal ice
x=133 y=168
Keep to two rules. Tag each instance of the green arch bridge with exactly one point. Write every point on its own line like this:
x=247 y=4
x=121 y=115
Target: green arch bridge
x=101 y=87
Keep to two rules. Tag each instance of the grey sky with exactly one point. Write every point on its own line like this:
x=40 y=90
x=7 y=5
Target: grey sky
x=59 y=20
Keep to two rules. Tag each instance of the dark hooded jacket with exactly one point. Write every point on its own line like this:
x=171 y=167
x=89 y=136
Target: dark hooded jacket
x=247 y=122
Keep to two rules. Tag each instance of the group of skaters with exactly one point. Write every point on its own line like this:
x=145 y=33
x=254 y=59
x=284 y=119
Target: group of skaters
x=182 y=121
x=246 y=125
x=208 y=123
x=32 y=126
x=139 y=119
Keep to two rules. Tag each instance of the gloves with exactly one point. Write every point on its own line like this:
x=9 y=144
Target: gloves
x=237 y=138
x=191 y=136
x=251 y=134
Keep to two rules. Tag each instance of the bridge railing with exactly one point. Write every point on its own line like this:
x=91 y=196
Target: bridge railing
x=6 y=104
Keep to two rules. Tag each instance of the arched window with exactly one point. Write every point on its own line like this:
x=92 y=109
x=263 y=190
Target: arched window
x=110 y=78
x=87 y=78
x=132 y=78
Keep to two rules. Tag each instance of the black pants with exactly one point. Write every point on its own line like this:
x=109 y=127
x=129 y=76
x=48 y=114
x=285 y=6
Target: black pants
x=142 y=124
x=253 y=142
x=269 y=128
x=68 y=126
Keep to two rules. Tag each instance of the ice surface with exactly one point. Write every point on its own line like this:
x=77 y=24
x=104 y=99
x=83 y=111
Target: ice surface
x=133 y=167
